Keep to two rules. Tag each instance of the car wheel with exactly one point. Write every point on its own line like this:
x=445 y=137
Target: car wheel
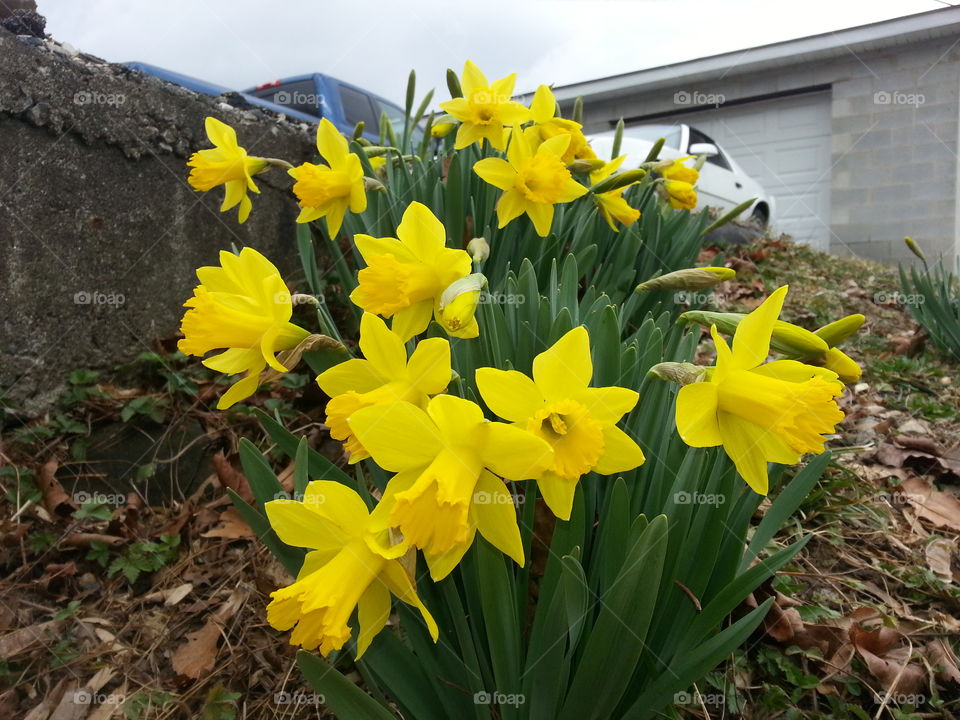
x=760 y=215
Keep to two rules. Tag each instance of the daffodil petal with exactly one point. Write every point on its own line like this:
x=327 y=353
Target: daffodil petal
x=496 y=517
x=240 y=390
x=497 y=172
x=373 y=611
x=296 y=524
x=382 y=348
x=751 y=342
x=442 y=564
x=608 y=404
x=352 y=375
x=331 y=144
x=422 y=232
x=557 y=493
x=541 y=214
x=508 y=393
x=412 y=320
x=741 y=443
x=399 y=436
x=429 y=367
x=620 y=452
x=566 y=367
x=337 y=503
x=400 y=584
x=696 y=416
x=513 y=453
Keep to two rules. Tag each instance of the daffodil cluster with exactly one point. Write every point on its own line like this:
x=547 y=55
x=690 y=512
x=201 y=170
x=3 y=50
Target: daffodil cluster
x=448 y=437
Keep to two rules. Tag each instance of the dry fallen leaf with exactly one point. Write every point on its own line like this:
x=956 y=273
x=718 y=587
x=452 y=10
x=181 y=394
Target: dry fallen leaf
x=231 y=527
x=16 y=642
x=232 y=478
x=938 y=552
x=55 y=498
x=197 y=656
x=940 y=508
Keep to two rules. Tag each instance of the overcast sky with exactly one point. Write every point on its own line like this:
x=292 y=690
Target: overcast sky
x=375 y=43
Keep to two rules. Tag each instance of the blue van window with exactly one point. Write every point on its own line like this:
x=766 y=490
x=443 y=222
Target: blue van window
x=357 y=108
x=300 y=96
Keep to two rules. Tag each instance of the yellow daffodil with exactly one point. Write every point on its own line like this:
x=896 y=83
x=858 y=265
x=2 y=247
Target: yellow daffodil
x=384 y=376
x=760 y=413
x=543 y=110
x=676 y=170
x=578 y=421
x=226 y=164
x=445 y=490
x=611 y=204
x=329 y=190
x=485 y=108
x=406 y=276
x=245 y=307
x=534 y=178
x=339 y=574
x=681 y=195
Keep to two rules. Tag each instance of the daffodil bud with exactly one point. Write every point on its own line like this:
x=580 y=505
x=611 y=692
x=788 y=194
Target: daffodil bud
x=479 y=249
x=378 y=150
x=619 y=180
x=372 y=185
x=358 y=130
x=915 y=248
x=453 y=84
x=787 y=338
x=441 y=129
x=838 y=331
x=584 y=166
x=688 y=279
x=846 y=369
x=680 y=373
x=458 y=306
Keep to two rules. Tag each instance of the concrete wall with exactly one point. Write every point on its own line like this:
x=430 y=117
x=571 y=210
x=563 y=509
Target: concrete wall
x=99 y=232
x=895 y=112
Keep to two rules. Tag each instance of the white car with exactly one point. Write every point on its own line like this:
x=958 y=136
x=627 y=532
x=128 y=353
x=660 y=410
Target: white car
x=722 y=184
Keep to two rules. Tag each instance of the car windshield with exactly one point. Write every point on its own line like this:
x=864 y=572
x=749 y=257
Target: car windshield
x=651 y=133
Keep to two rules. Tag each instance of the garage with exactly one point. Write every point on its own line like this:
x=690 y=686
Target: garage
x=784 y=144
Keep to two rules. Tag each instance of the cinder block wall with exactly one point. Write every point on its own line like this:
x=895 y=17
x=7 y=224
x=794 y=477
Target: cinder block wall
x=100 y=234
x=895 y=113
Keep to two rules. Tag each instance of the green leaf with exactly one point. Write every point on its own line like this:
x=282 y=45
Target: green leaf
x=291 y=558
x=695 y=665
x=263 y=481
x=341 y=695
x=617 y=640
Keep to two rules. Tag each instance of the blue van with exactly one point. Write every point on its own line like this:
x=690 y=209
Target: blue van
x=343 y=104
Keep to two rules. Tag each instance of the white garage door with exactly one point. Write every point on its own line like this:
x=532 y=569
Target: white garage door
x=784 y=144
